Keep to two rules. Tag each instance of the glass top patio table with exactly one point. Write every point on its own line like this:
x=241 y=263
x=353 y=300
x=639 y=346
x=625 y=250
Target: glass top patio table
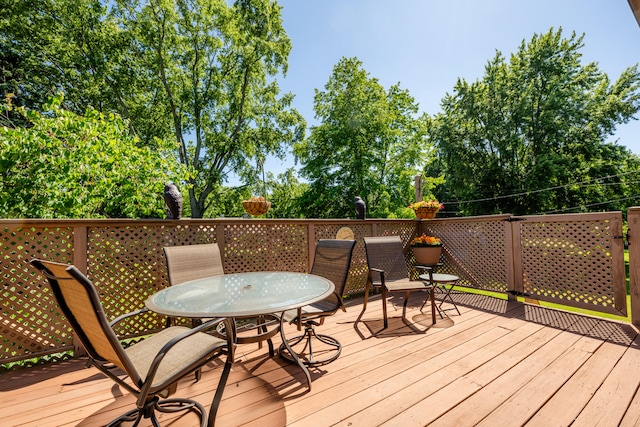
x=241 y=294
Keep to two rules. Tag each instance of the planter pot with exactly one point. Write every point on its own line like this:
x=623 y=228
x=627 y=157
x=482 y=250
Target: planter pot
x=426 y=213
x=427 y=255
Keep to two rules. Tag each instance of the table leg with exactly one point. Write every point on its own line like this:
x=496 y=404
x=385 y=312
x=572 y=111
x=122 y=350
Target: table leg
x=447 y=294
x=292 y=353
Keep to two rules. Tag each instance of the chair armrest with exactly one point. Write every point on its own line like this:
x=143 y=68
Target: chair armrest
x=127 y=315
x=377 y=270
x=298 y=319
x=429 y=268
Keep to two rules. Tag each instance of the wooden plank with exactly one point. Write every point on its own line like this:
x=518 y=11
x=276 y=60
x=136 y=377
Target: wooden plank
x=499 y=384
x=427 y=352
x=523 y=404
x=389 y=384
x=408 y=404
x=632 y=415
x=572 y=397
x=608 y=405
x=457 y=391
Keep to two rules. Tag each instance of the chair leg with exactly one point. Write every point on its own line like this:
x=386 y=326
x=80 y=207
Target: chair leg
x=384 y=307
x=263 y=327
x=217 y=398
x=134 y=415
x=165 y=405
x=366 y=296
x=407 y=294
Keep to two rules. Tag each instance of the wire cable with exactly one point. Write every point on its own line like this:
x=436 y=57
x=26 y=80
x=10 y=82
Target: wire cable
x=527 y=193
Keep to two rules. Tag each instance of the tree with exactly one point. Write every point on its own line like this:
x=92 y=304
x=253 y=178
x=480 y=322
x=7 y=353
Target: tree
x=369 y=144
x=201 y=71
x=537 y=122
x=285 y=192
x=216 y=67
x=76 y=47
x=63 y=165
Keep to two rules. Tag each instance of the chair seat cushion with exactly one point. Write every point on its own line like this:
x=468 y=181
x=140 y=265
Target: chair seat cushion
x=406 y=285
x=184 y=354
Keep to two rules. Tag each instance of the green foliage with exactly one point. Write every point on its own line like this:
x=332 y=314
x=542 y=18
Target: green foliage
x=216 y=66
x=369 y=144
x=202 y=72
x=538 y=121
x=228 y=202
x=285 y=193
x=63 y=165
x=76 y=47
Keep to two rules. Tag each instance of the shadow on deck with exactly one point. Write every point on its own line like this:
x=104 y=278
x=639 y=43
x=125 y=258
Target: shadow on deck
x=498 y=363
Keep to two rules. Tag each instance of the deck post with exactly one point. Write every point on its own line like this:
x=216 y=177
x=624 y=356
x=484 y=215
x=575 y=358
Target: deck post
x=633 y=219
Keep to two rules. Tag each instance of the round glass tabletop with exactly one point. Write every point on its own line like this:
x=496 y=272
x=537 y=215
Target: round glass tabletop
x=240 y=294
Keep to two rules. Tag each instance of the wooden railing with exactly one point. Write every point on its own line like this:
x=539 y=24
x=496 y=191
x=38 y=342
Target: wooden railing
x=572 y=259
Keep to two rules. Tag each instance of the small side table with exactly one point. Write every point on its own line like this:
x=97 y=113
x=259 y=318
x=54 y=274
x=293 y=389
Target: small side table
x=445 y=282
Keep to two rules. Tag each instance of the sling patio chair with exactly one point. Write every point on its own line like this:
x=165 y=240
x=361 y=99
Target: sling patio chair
x=192 y=262
x=388 y=271
x=154 y=365
x=332 y=261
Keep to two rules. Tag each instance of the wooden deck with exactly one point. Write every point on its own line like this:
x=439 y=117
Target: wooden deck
x=497 y=364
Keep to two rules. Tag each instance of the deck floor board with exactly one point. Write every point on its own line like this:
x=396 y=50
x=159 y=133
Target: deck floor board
x=498 y=363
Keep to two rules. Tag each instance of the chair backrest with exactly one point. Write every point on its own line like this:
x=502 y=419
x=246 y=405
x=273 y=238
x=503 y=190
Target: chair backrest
x=332 y=261
x=386 y=253
x=191 y=262
x=80 y=304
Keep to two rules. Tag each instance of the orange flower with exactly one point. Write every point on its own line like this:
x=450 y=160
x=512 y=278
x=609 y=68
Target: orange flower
x=425 y=240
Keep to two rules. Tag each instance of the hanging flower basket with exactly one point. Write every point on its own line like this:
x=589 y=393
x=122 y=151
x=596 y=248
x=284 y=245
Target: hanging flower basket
x=426 y=209
x=426 y=213
x=256 y=206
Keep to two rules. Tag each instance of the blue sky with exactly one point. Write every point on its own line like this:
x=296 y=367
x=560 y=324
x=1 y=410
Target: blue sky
x=425 y=45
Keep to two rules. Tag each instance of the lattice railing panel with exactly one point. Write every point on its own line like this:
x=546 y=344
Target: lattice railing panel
x=407 y=230
x=123 y=264
x=475 y=250
x=127 y=265
x=569 y=262
x=30 y=321
x=258 y=246
x=189 y=234
x=126 y=261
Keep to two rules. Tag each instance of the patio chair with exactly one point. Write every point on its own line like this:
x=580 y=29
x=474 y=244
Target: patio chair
x=153 y=366
x=332 y=261
x=388 y=271
x=191 y=262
